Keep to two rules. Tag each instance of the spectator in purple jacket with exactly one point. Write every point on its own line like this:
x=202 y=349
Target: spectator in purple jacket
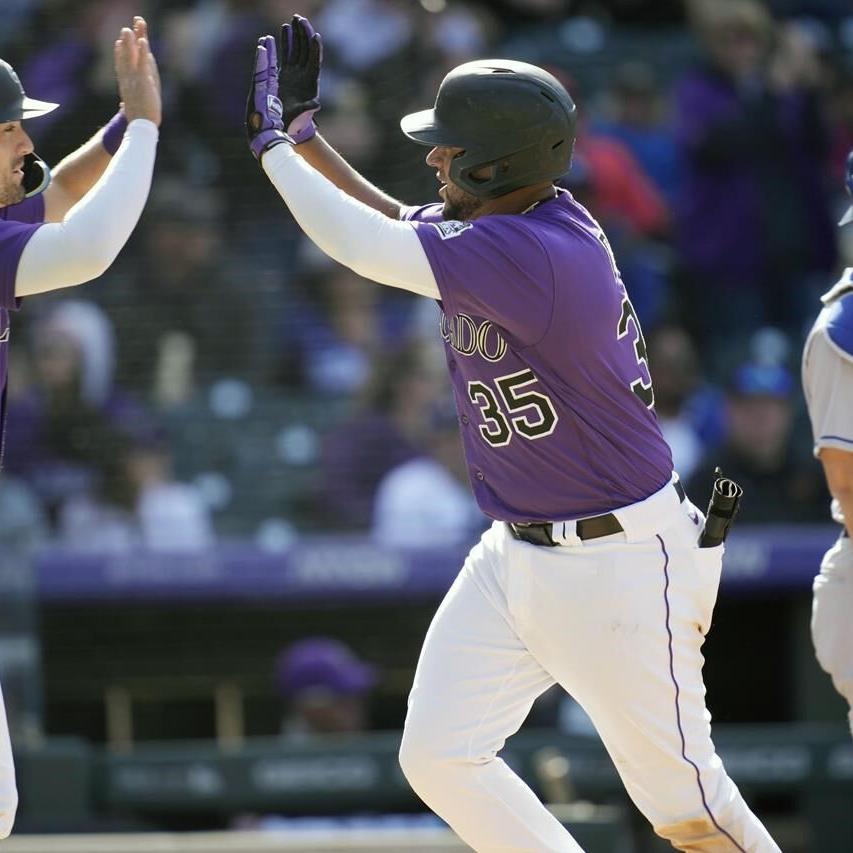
x=753 y=223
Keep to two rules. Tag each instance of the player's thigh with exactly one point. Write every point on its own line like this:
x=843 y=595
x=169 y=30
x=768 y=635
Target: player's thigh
x=632 y=658
x=475 y=681
x=656 y=725
x=832 y=625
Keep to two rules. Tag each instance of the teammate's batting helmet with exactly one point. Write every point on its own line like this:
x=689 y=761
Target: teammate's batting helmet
x=848 y=184
x=16 y=106
x=516 y=118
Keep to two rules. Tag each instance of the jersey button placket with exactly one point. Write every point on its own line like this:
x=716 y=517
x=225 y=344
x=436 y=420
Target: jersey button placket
x=465 y=420
x=480 y=475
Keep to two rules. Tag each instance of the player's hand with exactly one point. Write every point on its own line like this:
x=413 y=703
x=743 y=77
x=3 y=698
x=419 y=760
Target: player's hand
x=137 y=74
x=264 y=123
x=140 y=30
x=299 y=78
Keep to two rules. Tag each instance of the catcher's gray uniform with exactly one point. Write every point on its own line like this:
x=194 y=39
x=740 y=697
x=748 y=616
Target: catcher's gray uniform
x=828 y=386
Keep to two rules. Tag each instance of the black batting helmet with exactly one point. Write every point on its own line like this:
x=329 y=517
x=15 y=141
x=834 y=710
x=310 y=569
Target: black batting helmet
x=510 y=115
x=16 y=106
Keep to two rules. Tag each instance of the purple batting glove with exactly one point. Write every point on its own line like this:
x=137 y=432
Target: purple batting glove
x=264 y=125
x=301 y=57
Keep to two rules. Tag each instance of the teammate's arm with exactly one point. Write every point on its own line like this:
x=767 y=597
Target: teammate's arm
x=299 y=80
x=838 y=467
x=86 y=242
x=77 y=173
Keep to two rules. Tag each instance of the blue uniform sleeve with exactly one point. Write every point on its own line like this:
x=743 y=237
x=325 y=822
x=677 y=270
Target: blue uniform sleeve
x=839 y=325
x=495 y=268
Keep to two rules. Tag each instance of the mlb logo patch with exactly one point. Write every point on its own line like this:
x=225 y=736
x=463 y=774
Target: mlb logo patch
x=452 y=228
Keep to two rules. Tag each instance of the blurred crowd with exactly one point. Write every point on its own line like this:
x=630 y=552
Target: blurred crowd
x=226 y=379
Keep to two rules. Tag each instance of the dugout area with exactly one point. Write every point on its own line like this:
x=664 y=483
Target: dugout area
x=176 y=704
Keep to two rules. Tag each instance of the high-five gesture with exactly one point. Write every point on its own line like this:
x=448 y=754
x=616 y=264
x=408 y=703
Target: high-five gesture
x=264 y=123
x=299 y=77
x=138 y=77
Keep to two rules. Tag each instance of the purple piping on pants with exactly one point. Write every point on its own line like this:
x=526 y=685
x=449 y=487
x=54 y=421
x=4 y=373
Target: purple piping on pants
x=677 y=693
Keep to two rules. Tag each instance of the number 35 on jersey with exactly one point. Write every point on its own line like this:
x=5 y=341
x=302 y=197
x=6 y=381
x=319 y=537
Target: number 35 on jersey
x=513 y=407
x=527 y=413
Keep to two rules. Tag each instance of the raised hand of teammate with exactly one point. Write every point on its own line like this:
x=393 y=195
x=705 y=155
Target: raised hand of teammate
x=299 y=77
x=137 y=74
x=140 y=30
x=264 y=122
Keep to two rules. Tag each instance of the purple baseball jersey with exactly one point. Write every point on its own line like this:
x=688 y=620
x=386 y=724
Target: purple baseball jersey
x=548 y=363
x=18 y=222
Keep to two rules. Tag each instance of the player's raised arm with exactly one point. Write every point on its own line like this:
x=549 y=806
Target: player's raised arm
x=77 y=173
x=84 y=244
x=301 y=57
x=352 y=232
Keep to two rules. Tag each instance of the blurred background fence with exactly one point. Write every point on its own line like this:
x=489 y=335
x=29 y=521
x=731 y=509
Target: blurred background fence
x=233 y=493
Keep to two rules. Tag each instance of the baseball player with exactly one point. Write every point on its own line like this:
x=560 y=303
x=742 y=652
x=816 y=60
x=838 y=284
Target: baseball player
x=590 y=575
x=828 y=385
x=64 y=232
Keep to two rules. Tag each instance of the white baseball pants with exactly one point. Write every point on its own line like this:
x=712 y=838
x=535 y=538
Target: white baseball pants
x=832 y=618
x=8 y=790
x=618 y=622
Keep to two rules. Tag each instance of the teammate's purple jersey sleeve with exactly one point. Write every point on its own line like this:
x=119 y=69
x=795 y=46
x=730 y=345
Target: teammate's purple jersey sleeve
x=18 y=222
x=547 y=362
x=13 y=237
x=30 y=210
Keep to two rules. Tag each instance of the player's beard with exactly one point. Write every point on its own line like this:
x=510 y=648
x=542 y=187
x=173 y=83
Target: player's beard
x=458 y=204
x=11 y=191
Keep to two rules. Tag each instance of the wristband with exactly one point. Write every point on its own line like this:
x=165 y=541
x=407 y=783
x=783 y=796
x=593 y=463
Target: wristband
x=114 y=132
x=303 y=128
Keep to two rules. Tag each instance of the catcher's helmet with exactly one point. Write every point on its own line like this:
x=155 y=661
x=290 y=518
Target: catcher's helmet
x=16 y=106
x=848 y=185
x=513 y=116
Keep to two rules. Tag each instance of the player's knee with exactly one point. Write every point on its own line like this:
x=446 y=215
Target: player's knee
x=836 y=662
x=414 y=756
x=843 y=682
x=830 y=649
x=420 y=760
x=8 y=808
